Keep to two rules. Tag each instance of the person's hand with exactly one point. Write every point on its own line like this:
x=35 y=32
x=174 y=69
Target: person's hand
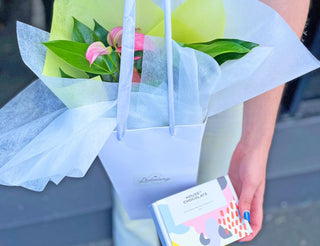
x=248 y=174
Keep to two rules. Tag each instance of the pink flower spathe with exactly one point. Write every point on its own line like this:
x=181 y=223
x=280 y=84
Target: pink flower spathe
x=97 y=49
x=115 y=38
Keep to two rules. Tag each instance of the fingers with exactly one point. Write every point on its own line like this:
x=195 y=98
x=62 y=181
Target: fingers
x=256 y=213
x=246 y=196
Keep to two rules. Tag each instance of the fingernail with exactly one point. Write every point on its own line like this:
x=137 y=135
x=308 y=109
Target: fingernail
x=246 y=216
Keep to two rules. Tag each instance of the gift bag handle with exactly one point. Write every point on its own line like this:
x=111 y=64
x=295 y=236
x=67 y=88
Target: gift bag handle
x=127 y=60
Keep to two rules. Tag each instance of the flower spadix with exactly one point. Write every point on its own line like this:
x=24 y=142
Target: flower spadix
x=97 y=49
x=115 y=37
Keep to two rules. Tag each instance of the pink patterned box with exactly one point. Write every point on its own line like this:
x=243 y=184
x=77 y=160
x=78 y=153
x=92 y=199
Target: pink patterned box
x=207 y=214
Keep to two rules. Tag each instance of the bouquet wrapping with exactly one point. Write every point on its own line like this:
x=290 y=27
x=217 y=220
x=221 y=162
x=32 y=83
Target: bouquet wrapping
x=46 y=135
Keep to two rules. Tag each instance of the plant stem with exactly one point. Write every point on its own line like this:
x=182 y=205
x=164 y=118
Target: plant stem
x=106 y=62
x=114 y=63
x=118 y=58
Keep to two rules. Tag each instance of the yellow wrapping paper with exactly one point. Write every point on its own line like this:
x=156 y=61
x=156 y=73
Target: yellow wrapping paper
x=193 y=21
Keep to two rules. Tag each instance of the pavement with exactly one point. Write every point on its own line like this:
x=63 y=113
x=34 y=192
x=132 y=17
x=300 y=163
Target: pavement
x=290 y=226
x=292 y=202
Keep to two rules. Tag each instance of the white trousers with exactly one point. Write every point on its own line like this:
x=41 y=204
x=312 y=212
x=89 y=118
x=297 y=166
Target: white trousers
x=223 y=132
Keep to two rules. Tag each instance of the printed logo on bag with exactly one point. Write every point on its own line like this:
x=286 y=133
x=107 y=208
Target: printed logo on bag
x=152 y=179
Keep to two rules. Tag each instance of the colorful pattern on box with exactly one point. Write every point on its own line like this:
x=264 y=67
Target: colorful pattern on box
x=218 y=227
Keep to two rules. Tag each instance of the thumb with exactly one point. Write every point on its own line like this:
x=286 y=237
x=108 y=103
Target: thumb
x=245 y=201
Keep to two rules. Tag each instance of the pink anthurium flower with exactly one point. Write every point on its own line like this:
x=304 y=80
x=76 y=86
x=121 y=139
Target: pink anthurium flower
x=97 y=49
x=115 y=37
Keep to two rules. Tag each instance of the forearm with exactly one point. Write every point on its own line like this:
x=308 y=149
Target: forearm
x=248 y=165
x=259 y=118
x=260 y=112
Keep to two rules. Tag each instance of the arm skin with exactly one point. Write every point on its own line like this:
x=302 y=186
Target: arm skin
x=248 y=165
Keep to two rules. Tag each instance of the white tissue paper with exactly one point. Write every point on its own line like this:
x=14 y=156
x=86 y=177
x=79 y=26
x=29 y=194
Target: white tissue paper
x=43 y=139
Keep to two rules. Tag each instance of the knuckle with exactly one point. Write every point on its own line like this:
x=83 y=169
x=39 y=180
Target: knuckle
x=245 y=203
x=250 y=183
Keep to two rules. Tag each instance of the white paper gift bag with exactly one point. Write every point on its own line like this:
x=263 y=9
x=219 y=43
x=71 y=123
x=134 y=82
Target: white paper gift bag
x=147 y=164
x=44 y=139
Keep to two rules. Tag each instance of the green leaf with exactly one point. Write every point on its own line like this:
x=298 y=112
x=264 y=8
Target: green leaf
x=91 y=75
x=65 y=75
x=138 y=62
x=138 y=53
x=224 y=49
x=228 y=56
x=113 y=62
x=74 y=53
x=83 y=34
x=246 y=44
x=138 y=65
x=107 y=78
x=101 y=33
